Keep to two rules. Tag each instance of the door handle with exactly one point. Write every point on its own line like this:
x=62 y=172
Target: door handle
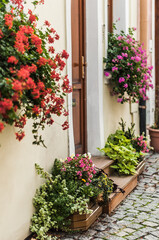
x=84 y=64
x=73 y=102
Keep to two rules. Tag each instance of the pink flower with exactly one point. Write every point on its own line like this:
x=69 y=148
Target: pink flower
x=119 y=100
x=128 y=76
x=138 y=59
x=106 y=74
x=120 y=57
x=119 y=37
x=121 y=79
x=125 y=85
x=114 y=69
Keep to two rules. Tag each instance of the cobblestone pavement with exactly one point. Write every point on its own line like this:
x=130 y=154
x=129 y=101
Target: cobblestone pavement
x=136 y=218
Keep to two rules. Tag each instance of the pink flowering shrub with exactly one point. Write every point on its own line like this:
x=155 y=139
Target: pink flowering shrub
x=81 y=167
x=32 y=85
x=140 y=144
x=127 y=62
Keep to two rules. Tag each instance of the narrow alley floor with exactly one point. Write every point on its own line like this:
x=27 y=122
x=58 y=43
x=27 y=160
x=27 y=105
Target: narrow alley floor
x=136 y=218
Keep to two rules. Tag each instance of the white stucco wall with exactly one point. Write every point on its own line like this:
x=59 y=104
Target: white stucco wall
x=113 y=111
x=18 y=179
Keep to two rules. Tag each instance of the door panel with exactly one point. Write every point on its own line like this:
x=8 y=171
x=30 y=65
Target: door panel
x=78 y=75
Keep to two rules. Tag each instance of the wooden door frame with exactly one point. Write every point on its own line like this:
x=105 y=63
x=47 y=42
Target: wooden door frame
x=82 y=53
x=85 y=79
x=110 y=15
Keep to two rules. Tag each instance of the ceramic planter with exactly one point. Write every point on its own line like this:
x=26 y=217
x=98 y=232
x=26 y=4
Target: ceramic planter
x=154 y=136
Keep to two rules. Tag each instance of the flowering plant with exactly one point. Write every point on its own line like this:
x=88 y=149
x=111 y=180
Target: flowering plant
x=140 y=144
x=80 y=167
x=67 y=190
x=127 y=62
x=31 y=82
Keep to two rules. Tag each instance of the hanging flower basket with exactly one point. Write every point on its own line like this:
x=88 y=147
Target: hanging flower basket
x=127 y=62
x=32 y=84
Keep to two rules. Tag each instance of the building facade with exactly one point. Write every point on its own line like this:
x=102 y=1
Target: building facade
x=94 y=114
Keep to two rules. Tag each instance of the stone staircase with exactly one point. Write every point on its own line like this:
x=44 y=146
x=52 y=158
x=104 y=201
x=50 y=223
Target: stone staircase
x=127 y=183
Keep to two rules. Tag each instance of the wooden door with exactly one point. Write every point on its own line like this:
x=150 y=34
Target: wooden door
x=110 y=15
x=79 y=74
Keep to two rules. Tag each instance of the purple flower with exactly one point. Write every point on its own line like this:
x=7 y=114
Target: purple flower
x=121 y=79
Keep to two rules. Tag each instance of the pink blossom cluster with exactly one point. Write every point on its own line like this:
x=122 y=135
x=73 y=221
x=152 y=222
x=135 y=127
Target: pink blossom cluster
x=141 y=144
x=127 y=60
x=81 y=166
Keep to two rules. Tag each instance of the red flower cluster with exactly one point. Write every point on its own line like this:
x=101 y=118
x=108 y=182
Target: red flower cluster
x=32 y=17
x=13 y=60
x=8 y=20
x=1 y=33
x=1 y=126
x=34 y=83
x=19 y=3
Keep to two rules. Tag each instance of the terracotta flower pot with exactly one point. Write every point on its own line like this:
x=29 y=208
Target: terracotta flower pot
x=154 y=136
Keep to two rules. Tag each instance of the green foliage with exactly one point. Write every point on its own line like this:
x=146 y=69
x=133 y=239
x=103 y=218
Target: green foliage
x=119 y=148
x=130 y=132
x=63 y=194
x=126 y=149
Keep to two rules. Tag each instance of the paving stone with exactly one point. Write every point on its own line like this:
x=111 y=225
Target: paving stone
x=155 y=233
x=129 y=230
x=100 y=227
x=122 y=233
x=114 y=238
x=150 y=224
x=151 y=237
